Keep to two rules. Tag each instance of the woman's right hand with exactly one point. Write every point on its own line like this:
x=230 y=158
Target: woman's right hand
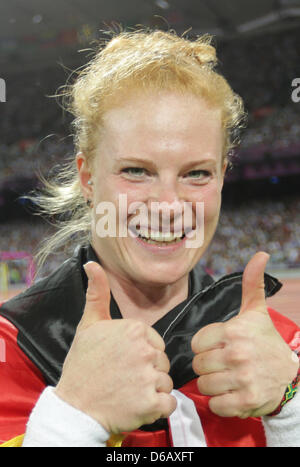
x=116 y=371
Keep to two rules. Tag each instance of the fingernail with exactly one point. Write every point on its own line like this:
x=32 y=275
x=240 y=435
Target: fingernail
x=88 y=271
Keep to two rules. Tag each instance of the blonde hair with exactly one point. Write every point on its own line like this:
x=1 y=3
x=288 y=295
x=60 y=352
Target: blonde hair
x=142 y=59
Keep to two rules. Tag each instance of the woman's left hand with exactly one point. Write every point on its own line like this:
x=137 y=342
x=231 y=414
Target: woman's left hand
x=244 y=364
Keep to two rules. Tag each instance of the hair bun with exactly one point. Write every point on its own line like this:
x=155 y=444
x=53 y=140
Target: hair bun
x=160 y=43
x=204 y=53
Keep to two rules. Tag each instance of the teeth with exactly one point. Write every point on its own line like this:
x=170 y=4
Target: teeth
x=160 y=236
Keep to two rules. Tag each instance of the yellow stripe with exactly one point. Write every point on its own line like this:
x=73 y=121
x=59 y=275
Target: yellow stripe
x=13 y=443
x=114 y=441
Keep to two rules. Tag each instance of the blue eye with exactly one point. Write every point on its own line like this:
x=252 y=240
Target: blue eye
x=134 y=171
x=198 y=174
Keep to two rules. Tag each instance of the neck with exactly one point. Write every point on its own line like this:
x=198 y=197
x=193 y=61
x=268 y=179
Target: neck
x=144 y=303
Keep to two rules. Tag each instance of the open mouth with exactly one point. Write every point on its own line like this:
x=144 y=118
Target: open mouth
x=158 y=238
x=161 y=239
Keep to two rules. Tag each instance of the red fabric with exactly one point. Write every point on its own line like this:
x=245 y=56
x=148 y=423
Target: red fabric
x=219 y=432
x=287 y=329
x=21 y=384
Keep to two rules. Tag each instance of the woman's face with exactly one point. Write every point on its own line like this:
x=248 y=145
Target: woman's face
x=155 y=148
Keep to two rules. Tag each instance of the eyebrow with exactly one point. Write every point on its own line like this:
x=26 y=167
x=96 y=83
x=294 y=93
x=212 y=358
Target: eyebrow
x=152 y=164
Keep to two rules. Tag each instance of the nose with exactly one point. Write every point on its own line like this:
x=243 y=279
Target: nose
x=165 y=189
x=165 y=202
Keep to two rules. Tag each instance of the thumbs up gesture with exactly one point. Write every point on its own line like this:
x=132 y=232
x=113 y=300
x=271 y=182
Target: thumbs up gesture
x=244 y=364
x=116 y=370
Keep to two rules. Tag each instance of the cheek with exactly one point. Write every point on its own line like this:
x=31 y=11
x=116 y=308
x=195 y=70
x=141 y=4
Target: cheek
x=212 y=202
x=133 y=192
x=112 y=188
x=210 y=195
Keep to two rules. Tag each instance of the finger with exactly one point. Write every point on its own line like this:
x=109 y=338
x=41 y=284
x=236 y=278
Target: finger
x=97 y=306
x=209 y=337
x=253 y=285
x=208 y=362
x=162 y=362
x=216 y=383
x=226 y=405
x=154 y=338
x=164 y=383
x=166 y=404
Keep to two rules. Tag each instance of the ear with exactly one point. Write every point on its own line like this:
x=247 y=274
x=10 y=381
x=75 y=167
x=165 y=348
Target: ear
x=224 y=167
x=84 y=175
x=223 y=170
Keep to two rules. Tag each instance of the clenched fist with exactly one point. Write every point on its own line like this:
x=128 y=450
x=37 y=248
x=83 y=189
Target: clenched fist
x=244 y=363
x=116 y=370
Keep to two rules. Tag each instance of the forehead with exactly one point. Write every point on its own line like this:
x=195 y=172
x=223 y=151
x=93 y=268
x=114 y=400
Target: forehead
x=154 y=121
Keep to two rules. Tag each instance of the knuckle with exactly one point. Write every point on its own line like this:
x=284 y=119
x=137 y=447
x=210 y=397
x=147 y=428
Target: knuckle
x=171 y=405
x=196 y=365
x=201 y=385
x=164 y=405
x=235 y=412
x=150 y=380
x=250 y=400
x=135 y=329
x=206 y=384
x=233 y=329
x=146 y=381
x=168 y=383
x=245 y=377
x=163 y=361
x=195 y=342
x=92 y=295
x=236 y=353
x=154 y=405
x=220 y=406
x=136 y=326
x=147 y=353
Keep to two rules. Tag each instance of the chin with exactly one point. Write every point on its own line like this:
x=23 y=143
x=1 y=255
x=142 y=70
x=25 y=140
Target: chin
x=162 y=276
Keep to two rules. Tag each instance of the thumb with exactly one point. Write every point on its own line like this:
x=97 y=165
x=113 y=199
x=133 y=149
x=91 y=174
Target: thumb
x=253 y=284
x=97 y=306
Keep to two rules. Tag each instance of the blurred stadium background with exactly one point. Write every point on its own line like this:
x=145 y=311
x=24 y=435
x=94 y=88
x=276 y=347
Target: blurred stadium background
x=258 y=44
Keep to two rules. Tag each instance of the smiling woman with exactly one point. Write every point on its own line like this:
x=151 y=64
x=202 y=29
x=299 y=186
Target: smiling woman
x=168 y=135
x=143 y=65
x=154 y=125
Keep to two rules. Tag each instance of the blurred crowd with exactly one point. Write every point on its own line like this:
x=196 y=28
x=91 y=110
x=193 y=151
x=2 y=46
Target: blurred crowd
x=271 y=226
x=277 y=127
x=261 y=68
x=35 y=132
x=26 y=158
x=16 y=236
x=278 y=133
